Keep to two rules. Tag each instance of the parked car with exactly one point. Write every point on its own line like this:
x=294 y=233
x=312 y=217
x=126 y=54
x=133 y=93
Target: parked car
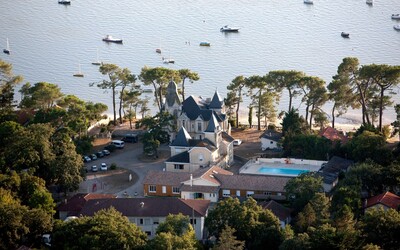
x=93 y=157
x=106 y=152
x=237 y=142
x=100 y=154
x=94 y=168
x=110 y=148
x=133 y=138
x=86 y=158
x=103 y=167
x=118 y=144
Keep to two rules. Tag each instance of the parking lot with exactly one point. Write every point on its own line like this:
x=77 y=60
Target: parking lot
x=126 y=180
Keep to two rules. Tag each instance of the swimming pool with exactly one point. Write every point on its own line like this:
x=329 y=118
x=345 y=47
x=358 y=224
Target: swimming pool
x=281 y=171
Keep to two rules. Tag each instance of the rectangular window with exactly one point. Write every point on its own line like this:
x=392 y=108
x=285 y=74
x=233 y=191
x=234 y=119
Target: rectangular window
x=179 y=166
x=175 y=190
x=152 y=188
x=191 y=221
x=249 y=193
x=267 y=193
x=140 y=221
x=148 y=233
x=164 y=189
x=238 y=193
x=199 y=127
x=226 y=193
x=156 y=221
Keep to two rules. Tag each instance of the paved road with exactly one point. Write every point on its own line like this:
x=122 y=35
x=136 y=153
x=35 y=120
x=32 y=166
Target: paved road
x=127 y=158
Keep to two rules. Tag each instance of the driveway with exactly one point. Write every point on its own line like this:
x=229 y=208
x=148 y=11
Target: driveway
x=126 y=181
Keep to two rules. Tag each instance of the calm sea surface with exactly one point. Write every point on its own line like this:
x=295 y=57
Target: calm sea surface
x=50 y=41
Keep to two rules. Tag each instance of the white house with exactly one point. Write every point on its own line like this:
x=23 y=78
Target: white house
x=270 y=139
x=148 y=213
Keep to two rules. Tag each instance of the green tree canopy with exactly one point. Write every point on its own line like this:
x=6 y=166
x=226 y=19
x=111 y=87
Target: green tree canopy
x=301 y=189
x=107 y=229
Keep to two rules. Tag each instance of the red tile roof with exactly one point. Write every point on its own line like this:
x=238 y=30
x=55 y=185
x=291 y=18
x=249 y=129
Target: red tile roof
x=388 y=199
x=148 y=207
x=333 y=135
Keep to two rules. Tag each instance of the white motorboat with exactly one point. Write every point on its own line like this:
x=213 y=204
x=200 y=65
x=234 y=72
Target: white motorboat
x=308 y=1
x=168 y=60
x=396 y=27
x=227 y=28
x=396 y=16
x=370 y=2
x=111 y=39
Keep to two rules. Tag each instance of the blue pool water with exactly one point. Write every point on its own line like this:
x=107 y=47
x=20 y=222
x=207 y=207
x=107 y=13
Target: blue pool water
x=281 y=171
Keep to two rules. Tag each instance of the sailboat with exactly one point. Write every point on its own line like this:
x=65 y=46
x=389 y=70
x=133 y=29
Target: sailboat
x=79 y=74
x=7 y=49
x=97 y=62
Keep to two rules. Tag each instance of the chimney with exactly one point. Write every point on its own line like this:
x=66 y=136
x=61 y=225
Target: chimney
x=142 y=204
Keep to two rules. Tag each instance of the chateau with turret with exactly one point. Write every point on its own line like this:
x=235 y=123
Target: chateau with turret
x=203 y=137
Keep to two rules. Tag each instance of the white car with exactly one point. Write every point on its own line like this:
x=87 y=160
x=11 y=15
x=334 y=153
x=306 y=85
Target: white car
x=237 y=142
x=94 y=168
x=103 y=167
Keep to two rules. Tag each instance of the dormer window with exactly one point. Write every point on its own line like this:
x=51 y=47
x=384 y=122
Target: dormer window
x=199 y=127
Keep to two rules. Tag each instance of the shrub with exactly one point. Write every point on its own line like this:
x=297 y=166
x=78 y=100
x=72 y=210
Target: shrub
x=113 y=166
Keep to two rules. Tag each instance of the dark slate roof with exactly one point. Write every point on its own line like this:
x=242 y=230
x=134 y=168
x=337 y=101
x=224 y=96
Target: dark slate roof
x=212 y=124
x=148 y=207
x=277 y=209
x=227 y=137
x=180 y=158
x=199 y=188
x=336 y=165
x=76 y=202
x=253 y=182
x=271 y=135
x=331 y=170
x=154 y=177
x=191 y=108
x=172 y=94
x=203 y=143
x=216 y=102
x=182 y=138
x=194 y=107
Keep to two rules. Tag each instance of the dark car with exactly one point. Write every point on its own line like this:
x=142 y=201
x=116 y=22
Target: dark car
x=110 y=148
x=86 y=158
x=106 y=152
x=93 y=157
x=132 y=138
x=100 y=154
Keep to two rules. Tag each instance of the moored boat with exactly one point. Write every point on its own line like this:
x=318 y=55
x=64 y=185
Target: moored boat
x=396 y=16
x=65 y=2
x=207 y=44
x=308 y=1
x=370 y=2
x=7 y=49
x=158 y=50
x=111 y=39
x=227 y=28
x=396 y=27
x=345 y=34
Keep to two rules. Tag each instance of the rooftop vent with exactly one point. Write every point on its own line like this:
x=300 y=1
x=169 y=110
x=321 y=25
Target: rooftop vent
x=212 y=176
x=215 y=172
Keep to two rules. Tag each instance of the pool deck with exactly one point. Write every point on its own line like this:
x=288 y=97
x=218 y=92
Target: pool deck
x=253 y=166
